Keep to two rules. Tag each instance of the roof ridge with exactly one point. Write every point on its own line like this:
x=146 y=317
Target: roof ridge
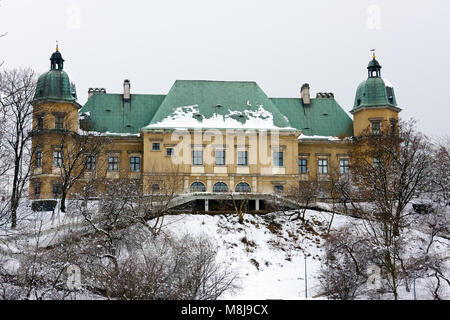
x=226 y=81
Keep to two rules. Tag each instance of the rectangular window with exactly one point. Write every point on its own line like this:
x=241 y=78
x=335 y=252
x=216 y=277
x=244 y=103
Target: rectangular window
x=278 y=159
x=135 y=164
x=323 y=166
x=37 y=189
x=56 y=189
x=40 y=123
x=197 y=157
x=155 y=146
x=113 y=163
x=376 y=127
x=242 y=158
x=278 y=189
x=170 y=152
x=39 y=159
x=302 y=166
x=57 y=158
x=343 y=166
x=90 y=163
x=220 y=157
x=59 y=122
x=376 y=161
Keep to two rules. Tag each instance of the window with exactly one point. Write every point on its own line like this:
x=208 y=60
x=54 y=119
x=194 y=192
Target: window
x=376 y=161
x=135 y=164
x=220 y=157
x=243 y=187
x=220 y=187
x=242 y=158
x=40 y=123
x=155 y=146
x=376 y=127
x=113 y=163
x=37 y=189
x=198 y=187
x=155 y=187
x=90 y=163
x=197 y=157
x=57 y=158
x=393 y=123
x=323 y=166
x=390 y=94
x=343 y=166
x=56 y=189
x=302 y=166
x=278 y=159
x=170 y=152
x=278 y=189
x=39 y=159
x=59 y=122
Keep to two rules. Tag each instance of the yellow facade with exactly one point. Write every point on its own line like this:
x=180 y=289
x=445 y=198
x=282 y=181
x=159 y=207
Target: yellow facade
x=264 y=161
x=156 y=165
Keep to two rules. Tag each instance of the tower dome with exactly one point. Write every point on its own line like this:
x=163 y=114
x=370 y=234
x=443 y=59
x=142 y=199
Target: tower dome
x=375 y=91
x=55 y=84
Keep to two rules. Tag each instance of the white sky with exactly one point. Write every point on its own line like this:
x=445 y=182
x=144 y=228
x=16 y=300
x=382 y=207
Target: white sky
x=280 y=44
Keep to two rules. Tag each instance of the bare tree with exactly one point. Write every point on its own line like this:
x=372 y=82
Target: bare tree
x=388 y=170
x=338 y=188
x=344 y=272
x=80 y=151
x=440 y=173
x=303 y=193
x=240 y=201
x=17 y=88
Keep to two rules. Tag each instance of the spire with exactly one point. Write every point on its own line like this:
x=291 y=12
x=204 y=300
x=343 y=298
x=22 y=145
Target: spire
x=56 y=60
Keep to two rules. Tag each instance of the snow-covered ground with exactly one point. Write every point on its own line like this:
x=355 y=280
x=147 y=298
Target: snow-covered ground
x=269 y=252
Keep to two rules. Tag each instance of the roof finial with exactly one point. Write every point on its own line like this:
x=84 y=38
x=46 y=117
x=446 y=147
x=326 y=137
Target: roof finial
x=373 y=53
x=57 y=45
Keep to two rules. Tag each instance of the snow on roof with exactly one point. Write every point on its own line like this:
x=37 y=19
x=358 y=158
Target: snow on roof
x=329 y=138
x=189 y=117
x=107 y=133
x=387 y=83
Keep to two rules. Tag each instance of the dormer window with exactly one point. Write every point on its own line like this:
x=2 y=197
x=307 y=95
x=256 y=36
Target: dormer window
x=390 y=94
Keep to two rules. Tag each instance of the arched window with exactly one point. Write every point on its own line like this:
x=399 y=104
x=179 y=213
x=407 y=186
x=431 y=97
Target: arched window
x=243 y=187
x=220 y=187
x=198 y=187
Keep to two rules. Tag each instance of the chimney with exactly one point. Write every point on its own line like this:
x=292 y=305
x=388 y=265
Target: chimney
x=93 y=91
x=126 y=90
x=304 y=92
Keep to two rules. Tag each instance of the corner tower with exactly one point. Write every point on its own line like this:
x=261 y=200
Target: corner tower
x=375 y=104
x=55 y=113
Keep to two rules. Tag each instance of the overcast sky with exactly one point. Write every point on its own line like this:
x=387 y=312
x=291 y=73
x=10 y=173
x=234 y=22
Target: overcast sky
x=280 y=44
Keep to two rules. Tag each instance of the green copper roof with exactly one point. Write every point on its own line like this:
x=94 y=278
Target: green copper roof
x=374 y=92
x=230 y=104
x=323 y=117
x=205 y=103
x=374 y=64
x=105 y=112
x=55 y=85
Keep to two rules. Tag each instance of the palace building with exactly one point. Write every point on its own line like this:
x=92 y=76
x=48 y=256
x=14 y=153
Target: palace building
x=216 y=137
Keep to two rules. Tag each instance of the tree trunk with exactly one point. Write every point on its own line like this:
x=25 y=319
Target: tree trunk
x=63 y=201
x=14 y=198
